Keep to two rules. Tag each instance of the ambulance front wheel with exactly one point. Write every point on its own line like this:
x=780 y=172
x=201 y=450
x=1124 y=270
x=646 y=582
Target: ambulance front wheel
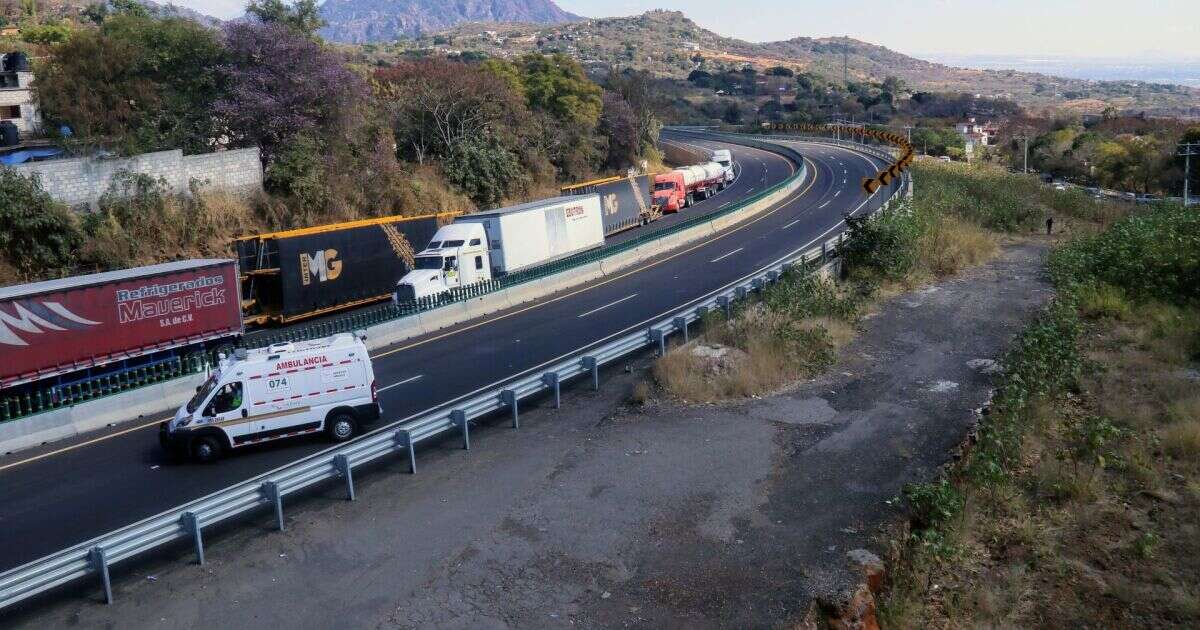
x=205 y=449
x=341 y=427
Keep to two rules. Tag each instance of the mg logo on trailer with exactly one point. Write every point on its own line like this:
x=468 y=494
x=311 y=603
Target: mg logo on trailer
x=323 y=265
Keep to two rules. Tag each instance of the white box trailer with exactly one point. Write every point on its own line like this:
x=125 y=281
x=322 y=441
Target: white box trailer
x=486 y=245
x=540 y=231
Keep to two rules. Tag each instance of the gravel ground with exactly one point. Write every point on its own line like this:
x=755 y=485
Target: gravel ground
x=603 y=515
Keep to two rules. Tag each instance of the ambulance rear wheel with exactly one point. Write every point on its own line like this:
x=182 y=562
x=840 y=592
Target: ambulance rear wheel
x=341 y=427
x=205 y=449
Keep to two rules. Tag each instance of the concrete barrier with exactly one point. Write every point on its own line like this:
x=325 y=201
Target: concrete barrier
x=152 y=402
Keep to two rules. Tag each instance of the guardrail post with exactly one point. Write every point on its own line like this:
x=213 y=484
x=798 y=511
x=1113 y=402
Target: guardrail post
x=660 y=337
x=741 y=293
x=404 y=438
x=772 y=277
x=459 y=418
x=701 y=312
x=757 y=284
x=682 y=324
x=592 y=365
x=192 y=524
x=100 y=563
x=724 y=303
x=342 y=463
x=551 y=379
x=509 y=397
x=271 y=489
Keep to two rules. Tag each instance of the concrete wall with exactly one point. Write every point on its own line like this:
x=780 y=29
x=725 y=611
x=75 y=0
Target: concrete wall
x=81 y=181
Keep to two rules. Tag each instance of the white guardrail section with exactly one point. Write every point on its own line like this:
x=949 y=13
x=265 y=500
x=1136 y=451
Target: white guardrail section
x=267 y=491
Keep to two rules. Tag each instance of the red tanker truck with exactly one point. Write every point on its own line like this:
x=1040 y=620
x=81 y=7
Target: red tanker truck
x=682 y=187
x=59 y=326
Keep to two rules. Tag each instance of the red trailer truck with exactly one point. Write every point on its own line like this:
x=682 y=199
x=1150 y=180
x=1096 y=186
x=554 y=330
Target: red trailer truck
x=60 y=326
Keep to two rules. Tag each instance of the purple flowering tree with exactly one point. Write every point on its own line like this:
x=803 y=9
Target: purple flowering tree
x=281 y=84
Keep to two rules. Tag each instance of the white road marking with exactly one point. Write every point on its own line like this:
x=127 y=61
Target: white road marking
x=723 y=257
x=404 y=382
x=790 y=224
x=837 y=193
x=824 y=204
x=597 y=310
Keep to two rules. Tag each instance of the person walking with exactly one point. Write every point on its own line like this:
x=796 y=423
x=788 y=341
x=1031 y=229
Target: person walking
x=1049 y=226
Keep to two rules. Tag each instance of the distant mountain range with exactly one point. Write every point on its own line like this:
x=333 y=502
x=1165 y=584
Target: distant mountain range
x=361 y=21
x=667 y=43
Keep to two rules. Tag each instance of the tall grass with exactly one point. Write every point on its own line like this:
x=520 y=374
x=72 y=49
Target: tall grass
x=792 y=332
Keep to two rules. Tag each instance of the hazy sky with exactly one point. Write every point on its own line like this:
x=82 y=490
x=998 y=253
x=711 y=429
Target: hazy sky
x=1093 y=28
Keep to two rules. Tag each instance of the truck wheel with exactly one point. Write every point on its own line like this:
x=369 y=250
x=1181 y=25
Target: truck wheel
x=205 y=449
x=341 y=427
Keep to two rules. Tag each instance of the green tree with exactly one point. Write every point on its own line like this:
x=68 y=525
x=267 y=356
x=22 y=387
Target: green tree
x=303 y=15
x=46 y=34
x=95 y=12
x=507 y=72
x=556 y=84
x=154 y=89
x=37 y=234
x=129 y=7
x=484 y=170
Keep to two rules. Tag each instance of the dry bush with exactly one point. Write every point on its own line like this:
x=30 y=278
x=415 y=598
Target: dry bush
x=1182 y=439
x=950 y=244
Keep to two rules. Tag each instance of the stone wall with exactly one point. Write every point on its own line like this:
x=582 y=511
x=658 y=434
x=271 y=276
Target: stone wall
x=81 y=181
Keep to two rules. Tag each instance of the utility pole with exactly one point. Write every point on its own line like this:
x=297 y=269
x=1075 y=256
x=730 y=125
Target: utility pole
x=1025 y=167
x=908 y=132
x=1187 y=150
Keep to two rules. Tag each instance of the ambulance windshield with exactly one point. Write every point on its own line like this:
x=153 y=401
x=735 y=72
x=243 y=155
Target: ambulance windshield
x=201 y=394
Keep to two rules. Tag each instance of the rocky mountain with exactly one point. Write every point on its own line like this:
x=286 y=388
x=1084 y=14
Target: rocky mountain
x=669 y=44
x=361 y=21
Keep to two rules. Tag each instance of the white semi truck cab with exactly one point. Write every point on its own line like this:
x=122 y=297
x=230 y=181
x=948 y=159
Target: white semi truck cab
x=485 y=245
x=457 y=256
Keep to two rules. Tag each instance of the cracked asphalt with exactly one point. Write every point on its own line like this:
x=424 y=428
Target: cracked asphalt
x=604 y=515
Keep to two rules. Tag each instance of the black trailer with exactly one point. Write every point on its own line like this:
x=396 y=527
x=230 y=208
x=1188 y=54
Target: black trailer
x=294 y=275
x=625 y=201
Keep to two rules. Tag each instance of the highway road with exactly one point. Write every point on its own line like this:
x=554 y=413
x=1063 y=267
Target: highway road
x=53 y=499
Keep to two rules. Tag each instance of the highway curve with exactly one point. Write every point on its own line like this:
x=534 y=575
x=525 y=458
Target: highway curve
x=68 y=494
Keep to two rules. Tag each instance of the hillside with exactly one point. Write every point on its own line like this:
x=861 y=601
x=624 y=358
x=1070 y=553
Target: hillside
x=360 y=21
x=669 y=44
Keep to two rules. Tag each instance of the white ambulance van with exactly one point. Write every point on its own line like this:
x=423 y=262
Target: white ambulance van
x=281 y=391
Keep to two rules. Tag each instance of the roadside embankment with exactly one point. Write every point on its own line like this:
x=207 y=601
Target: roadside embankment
x=1078 y=500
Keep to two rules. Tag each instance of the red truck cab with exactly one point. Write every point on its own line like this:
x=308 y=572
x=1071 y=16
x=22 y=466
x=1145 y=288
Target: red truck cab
x=670 y=192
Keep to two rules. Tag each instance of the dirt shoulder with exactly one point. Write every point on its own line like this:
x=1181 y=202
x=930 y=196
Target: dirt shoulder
x=714 y=516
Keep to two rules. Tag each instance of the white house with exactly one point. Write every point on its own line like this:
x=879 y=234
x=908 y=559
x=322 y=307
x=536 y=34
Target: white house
x=17 y=103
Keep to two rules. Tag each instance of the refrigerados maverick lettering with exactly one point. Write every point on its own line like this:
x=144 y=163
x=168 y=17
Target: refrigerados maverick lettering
x=157 y=300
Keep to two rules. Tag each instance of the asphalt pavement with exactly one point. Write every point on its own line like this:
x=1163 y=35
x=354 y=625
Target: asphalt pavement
x=54 y=499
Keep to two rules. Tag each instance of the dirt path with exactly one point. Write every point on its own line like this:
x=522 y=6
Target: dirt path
x=730 y=516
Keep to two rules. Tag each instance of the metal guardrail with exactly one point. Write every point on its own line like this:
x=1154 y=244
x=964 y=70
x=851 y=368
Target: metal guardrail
x=188 y=521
